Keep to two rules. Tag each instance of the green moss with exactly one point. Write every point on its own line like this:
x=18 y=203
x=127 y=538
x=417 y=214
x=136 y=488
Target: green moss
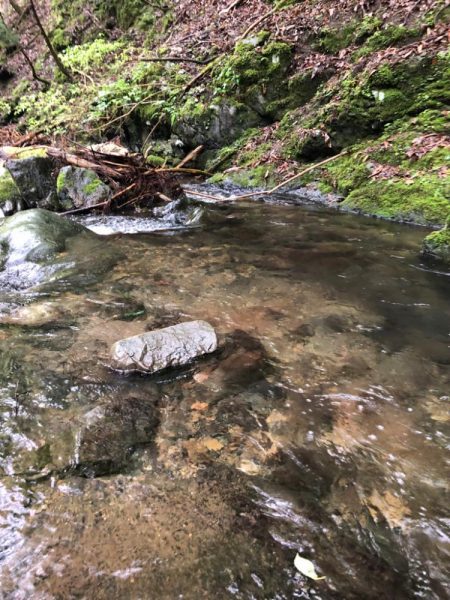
x=92 y=186
x=155 y=161
x=424 y=200
x=361 y=105
x=333 y=40
x=255 y=74
x=29 y=153
x=347 y=173
x=437 y=245
x=8 y=187
x=260 y=177
x=61 y=182
x=8 y=38
x=390 y=35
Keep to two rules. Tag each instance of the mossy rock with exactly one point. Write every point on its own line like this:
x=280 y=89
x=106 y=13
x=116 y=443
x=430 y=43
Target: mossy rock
x=79 y=188
x=256 y=74
x=10 y=196
x=437 y=245
x=424 y=200
x=33 y=173
x=215 y=126
x=361 y=106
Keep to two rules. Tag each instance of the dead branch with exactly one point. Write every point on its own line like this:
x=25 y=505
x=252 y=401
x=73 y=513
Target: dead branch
x=48 y=43
x=272 y=190
x=190 y=157
x=77 y=161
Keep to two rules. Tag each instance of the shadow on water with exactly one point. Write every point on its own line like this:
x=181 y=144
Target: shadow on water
x=320 y=426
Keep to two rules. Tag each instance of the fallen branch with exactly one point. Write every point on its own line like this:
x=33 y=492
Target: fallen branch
x=76 y=161
x=190 y=157
x=272 y=190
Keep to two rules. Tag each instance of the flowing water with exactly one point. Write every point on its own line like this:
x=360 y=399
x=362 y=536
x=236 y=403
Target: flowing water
x=320 y=427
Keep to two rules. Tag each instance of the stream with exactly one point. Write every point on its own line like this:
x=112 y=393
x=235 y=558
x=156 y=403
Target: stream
x=319 y=427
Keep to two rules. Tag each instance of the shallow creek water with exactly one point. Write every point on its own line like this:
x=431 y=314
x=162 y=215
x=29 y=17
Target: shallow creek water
x=319 y=427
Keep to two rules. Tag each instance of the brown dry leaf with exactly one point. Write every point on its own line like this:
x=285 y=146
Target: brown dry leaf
x=200 y=377
x=199 y=406
x=393 y=508
x=212 y=444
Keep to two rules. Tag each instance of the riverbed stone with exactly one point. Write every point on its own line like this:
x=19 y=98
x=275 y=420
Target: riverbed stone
x=79 y=188
x=160 y=349
x=110 y=432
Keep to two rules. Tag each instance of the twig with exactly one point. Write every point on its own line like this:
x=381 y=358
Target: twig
x=190 y=157
x=274 y=189
x=176 y=59
x=257 y=22
x=84 y=208
x=72 y=159
x=49 y=44
x=46 y=82
x=202 y=73
x=232 y=5
x=181 y=170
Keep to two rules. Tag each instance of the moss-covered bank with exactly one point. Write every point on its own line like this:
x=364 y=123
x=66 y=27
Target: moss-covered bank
x=264 y=102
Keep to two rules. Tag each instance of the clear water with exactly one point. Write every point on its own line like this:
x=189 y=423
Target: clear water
x=320 y=427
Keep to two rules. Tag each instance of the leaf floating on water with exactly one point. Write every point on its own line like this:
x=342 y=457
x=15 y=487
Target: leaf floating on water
x=306 y=568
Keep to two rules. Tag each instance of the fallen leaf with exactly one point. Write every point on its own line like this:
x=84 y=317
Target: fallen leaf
x=306 y=568
x=199 y=406
x=212 y=444
x=200 y=377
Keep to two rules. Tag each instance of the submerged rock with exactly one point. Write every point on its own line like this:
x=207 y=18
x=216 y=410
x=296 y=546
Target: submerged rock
x=35 y=235
x=109 y=433
x=38 y=246
x=173 y=346
x=79 y=187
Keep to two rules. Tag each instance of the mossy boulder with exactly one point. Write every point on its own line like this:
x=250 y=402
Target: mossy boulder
x=40 y=247
x=362 y=105
x=256 y=74
x=34 y=175
x=437 y=245
x=80 y=188
x=10 y=197
x=97 y=442
x=214 y=126
x=34 y=236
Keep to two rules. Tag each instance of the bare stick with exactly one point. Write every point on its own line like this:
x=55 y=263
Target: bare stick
x=257 y=22
x=189 y=157
x=176 y=59
x=274 y=189
x=232 y=5
x=48 y=43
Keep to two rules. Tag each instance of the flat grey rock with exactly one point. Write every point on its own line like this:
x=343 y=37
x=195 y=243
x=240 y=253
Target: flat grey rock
x=173 y=346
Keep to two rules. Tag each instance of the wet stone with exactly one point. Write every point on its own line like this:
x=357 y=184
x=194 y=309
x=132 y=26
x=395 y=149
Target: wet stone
x=173 y=347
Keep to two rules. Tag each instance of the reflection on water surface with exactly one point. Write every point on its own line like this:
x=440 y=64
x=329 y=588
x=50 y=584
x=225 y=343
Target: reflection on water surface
x=320 y=427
